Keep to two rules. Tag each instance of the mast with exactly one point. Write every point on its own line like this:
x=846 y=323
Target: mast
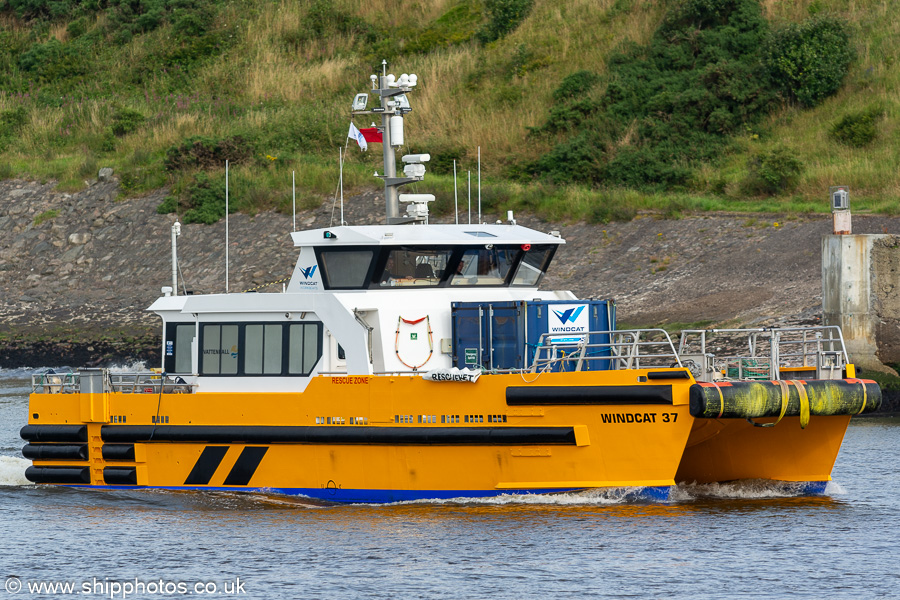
x=392 y=106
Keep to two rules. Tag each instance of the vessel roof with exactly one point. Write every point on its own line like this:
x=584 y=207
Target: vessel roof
x=399 y=235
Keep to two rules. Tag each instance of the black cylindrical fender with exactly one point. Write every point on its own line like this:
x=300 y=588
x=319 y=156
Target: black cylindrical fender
x=755 y=399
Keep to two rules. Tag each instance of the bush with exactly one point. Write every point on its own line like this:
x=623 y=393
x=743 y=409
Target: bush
x=773 y=172
x=11 y=121
x=575 y=85
x=125 y=121
x=647 y=166
x=857 y=129
x=668 y=104
x=568 y=117
x=77 y=28
x=323 y=19
x=455 y=26
x=202 y=202
x=578 y=159
x=168 y=205
x=204 y=153
x=207 y=197
x=503 y=18
x=604 y=211
x=809 y=61
x=52 y=61
x=442 y=158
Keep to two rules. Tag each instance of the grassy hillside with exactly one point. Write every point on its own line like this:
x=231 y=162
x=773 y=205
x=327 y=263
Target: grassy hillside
x=165 y=90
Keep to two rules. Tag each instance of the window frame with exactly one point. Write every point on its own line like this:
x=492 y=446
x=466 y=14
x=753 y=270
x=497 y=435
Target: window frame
x=380 y=263
x=169 y=362
x=548 y=258
x=285 y=347
x=323 y=265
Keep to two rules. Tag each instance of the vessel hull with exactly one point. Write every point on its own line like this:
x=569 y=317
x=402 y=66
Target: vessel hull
x=402 y=438
x=733 y=449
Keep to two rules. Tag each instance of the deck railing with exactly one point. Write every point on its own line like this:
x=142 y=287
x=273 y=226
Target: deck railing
x=146 y=382
x=622 y=349
x=769 y=352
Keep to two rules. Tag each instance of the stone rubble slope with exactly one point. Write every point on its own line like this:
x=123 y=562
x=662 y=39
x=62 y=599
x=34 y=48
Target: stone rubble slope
x=88 y=273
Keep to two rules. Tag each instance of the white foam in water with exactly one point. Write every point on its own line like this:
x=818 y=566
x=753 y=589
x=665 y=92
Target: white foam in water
x=834 y=489
x=12 y=470
x=20 y=373
x=593 y=497
x=135 y=367
x=746 y=489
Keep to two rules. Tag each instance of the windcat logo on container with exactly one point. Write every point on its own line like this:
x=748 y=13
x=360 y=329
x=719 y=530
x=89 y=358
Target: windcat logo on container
x=569 y=316
x=571 y=321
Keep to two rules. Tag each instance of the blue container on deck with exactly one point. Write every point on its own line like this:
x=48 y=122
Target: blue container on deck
x=506 y=335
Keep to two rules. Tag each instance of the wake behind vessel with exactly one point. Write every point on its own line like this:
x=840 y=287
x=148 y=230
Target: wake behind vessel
x=419 y=361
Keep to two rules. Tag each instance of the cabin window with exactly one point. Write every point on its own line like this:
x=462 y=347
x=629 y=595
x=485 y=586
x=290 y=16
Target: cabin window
x=178 y=347
x=345 y=269
x=220 y=350
x=420 y=267
x=304 y=347
x=260 y=349
x=484 y=266
x=533 y=265
x=263 y=354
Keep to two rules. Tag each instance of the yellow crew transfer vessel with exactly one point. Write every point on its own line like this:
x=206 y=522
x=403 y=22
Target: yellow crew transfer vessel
x=417 y=361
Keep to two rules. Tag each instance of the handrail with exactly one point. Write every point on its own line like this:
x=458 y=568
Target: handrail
x=774 y=333
x=146 y=382
x=625 y=349
x=770 y=350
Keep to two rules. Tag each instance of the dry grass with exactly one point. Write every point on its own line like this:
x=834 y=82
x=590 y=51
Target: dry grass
x=472 y=96
x=58 y=32
x=394 y=14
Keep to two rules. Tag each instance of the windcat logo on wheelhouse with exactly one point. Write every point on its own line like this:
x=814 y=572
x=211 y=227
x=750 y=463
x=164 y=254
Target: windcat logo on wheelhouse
x=310 y=278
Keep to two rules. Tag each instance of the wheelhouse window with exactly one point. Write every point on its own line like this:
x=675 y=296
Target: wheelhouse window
x=533 y=266
x=345 y=269
x=485 y=266
x=260 y=349
x=406 y=267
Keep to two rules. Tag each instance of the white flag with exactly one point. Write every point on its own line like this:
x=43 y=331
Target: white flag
x=357 y=135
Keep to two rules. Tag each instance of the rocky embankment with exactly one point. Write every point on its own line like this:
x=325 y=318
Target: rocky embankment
x=77 y=271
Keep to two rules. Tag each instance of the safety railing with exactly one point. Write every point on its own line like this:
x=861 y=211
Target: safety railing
x=51 y=382
x=621 y=349
x=146 y=382
x=764 y=353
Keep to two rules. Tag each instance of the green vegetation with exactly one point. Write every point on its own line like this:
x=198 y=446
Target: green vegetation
x=46 y=216
x=859 y=128
x=588 y=109
x=774 y=171
x=809 y=60
x=708 y=72
x=503 y=17
x=887 y=382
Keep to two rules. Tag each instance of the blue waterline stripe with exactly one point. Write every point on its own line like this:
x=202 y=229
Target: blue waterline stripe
x=362 y=496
